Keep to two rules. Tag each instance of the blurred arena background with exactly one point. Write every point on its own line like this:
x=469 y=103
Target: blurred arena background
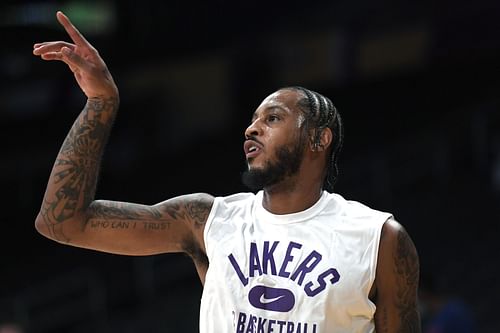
x=417 y=84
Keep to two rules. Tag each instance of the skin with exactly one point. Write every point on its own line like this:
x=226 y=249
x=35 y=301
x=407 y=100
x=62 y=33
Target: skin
x=70 y=214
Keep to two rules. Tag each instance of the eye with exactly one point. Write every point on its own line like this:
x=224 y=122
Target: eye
x=272 y=118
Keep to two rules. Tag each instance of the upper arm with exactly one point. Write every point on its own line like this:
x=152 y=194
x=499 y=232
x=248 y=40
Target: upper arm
x=397 y=282
x=175 y=225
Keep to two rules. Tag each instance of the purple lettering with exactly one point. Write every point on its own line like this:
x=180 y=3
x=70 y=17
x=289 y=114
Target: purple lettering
x=242 y=318
x=260 y=325
x=288 y=258
x=289 y=327
x=268 y=257
x=298 y=328
x=270 y=328
x=254 y=260
x=321 y=280
x=251 y=324
x=306 y=266
x=281 y=323
x=237 y=268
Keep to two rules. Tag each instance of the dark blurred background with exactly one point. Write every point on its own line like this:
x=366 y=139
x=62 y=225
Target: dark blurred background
x=417 y=84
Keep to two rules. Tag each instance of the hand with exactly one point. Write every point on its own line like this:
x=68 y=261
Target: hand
x=89 y=69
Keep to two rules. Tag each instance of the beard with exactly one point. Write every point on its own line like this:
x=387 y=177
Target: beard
x=288 y=160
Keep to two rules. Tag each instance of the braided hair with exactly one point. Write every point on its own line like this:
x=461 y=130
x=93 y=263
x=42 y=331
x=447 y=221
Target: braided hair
x=320 y=113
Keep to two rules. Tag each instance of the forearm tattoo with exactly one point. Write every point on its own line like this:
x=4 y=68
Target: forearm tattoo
x=407 y=271
x=73 y=180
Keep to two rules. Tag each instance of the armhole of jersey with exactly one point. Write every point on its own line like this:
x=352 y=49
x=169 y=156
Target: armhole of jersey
x=373 y=272
x=208 y=224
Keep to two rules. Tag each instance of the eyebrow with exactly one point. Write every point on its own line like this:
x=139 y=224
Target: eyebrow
x=271 y=108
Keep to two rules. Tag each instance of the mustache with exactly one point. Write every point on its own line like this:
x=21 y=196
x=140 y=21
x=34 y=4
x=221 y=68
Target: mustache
x=253 y=138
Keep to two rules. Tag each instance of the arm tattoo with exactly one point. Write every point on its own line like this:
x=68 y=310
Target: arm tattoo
x=407 y=272
x=174 y=210
x=123 y=215
x=198 y=211
x=194 y=209
x=74 y=176
x=123 y=211
x=383 y=319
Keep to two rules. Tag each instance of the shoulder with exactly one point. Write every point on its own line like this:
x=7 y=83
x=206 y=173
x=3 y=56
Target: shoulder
x=355 y=211
x=194 y=207
x=198 y=206
x=395 y=238
x=225 y=208
x=237 y=197
x=233 y=201
x=398 y=257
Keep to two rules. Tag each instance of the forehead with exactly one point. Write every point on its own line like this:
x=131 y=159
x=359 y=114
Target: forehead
x=286 y=99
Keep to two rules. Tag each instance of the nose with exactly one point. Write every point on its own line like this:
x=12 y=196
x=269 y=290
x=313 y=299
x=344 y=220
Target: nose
x=253 y=130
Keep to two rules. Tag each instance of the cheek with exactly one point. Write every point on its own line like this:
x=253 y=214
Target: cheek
x=287 y=139
x=273 y=141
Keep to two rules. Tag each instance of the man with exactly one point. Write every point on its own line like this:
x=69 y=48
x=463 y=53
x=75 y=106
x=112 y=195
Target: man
x=293 y=258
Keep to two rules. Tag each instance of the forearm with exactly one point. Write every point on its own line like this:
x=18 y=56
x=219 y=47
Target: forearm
x=72 y=182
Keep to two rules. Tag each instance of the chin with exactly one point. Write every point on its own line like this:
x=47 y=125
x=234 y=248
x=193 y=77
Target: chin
x=253 y=166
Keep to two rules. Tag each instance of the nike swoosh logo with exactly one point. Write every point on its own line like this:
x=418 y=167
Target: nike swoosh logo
x=265 y=300
x=271 y=298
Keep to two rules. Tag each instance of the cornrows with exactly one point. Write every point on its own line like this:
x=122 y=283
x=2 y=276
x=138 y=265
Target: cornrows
x=321 y=113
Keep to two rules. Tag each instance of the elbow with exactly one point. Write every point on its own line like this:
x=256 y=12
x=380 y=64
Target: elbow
x=54 y=229
x=41 y=225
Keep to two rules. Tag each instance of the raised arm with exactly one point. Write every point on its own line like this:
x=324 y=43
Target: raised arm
x=397 y=282
x=69 y=214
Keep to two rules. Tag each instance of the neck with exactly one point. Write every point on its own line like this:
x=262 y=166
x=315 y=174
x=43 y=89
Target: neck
x=286 y=199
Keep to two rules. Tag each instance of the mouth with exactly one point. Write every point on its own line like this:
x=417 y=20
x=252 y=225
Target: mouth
x=252 y=148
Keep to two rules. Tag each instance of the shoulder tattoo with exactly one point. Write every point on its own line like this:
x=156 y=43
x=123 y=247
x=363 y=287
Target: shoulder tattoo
x=198 y=211
x=193 y=208
x=406 y=267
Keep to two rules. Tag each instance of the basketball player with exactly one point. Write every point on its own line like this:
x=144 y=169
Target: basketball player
x=292 y=258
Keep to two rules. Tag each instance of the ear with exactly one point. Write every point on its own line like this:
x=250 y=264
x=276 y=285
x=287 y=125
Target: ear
x=325 y=140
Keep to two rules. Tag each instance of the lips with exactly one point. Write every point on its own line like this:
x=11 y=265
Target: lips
x=252 y=148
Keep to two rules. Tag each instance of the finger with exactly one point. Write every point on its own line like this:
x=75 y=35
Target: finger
x=72 y=31
x=51 y=56
x=73 y=60
x=37 y=45
x=58 y=56
x=41 y=48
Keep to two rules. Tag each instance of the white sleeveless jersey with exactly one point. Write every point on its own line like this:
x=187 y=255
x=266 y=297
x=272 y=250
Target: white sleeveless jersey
x=307 y=272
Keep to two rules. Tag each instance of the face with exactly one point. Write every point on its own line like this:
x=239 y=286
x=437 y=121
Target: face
x=275 y=142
